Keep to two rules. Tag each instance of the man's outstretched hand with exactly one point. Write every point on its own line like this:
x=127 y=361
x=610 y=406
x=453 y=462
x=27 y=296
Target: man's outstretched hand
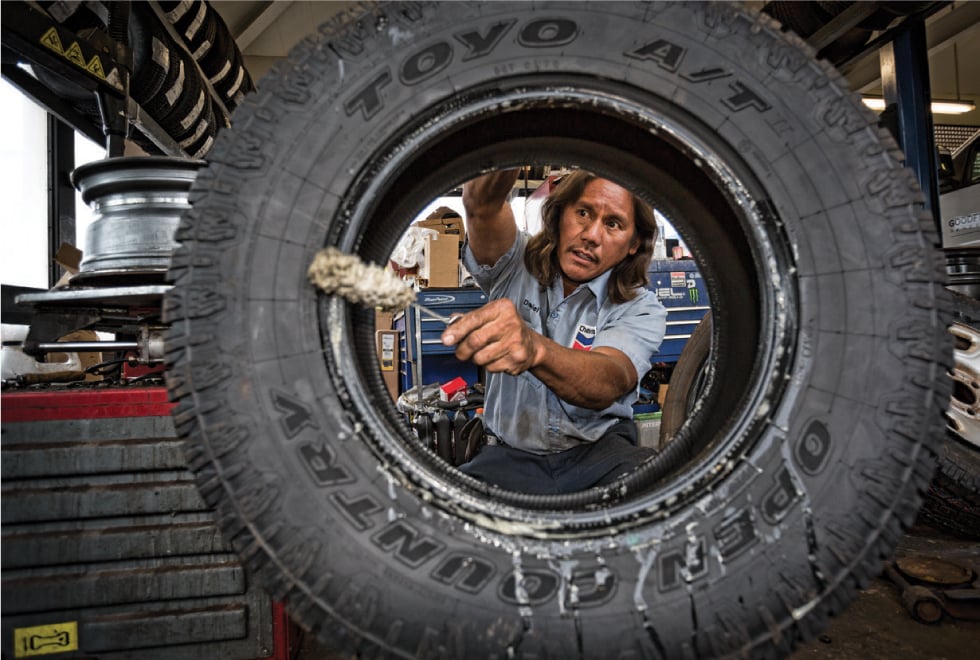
x=495 y=337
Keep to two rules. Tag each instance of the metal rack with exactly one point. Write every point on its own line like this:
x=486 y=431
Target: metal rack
x=32 y=37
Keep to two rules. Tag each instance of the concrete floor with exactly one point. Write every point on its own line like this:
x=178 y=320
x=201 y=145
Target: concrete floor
x=876 y=626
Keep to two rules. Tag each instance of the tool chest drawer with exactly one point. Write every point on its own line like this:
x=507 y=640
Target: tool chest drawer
x=680 y=288
x=439 y=364
x=443 y=301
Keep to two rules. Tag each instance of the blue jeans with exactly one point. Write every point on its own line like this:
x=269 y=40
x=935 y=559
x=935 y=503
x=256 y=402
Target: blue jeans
x=589 y=464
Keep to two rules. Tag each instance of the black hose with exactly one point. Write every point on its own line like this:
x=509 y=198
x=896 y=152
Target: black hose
x=469 y=403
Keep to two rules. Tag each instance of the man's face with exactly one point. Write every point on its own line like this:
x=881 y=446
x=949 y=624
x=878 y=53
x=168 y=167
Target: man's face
x=596 y=232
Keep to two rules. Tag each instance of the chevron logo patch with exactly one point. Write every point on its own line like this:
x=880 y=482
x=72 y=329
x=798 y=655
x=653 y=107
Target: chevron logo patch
x=584 y=338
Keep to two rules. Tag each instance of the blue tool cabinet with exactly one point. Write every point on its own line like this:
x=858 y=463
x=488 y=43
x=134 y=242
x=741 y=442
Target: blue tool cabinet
x=680 y=288
x=678 y=285
x=439 y=364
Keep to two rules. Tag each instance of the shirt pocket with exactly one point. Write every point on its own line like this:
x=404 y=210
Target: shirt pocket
x=529 y=380
x=531 y=318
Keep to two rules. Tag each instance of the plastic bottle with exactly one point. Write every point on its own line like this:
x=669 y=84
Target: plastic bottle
x=660 y=244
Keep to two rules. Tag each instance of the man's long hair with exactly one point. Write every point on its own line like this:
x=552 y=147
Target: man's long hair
x=629 y=275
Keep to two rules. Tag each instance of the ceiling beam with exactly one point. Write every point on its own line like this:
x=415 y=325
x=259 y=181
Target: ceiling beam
x=262 y=21
x=958 y=21
x=841 y=24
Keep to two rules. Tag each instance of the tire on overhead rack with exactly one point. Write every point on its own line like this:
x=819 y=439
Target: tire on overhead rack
x=208 y=38
x=235 y=83
x=216 y=61
x=196 y=140
x=187 y=16
x=171 y=90
x=151 y=54
x=223 y=67
x=200 y=35
x=191 y=106
x=781 y=493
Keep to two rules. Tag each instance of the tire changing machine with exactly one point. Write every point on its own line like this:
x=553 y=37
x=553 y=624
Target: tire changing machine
x=108 y=549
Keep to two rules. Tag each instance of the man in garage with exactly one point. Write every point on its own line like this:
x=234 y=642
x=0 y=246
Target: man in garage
x=568 y=333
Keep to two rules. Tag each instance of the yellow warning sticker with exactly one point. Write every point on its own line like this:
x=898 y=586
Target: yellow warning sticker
x=43 y=640
x=51 y=40
x=73 y=53
x=95 y=67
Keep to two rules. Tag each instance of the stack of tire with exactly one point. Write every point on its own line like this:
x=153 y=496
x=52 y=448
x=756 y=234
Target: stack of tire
x=168 y=81
x=176 y=84
x=167 y=86
x=213 y=47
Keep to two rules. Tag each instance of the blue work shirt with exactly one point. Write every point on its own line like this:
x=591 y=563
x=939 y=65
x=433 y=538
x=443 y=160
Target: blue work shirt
x=521 y=410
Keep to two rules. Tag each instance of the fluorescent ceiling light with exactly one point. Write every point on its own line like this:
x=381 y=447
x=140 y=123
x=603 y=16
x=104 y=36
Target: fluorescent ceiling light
x=938 y=107
x=876 y=103
x=952 y=107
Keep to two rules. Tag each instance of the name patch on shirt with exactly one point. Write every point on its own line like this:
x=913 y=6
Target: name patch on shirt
x=584 y=338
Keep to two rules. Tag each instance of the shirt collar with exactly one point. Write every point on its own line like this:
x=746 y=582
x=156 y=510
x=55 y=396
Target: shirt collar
x=599 y=287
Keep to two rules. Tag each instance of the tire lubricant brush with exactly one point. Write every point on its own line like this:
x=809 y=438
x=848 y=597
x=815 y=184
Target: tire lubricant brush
x=347 y=276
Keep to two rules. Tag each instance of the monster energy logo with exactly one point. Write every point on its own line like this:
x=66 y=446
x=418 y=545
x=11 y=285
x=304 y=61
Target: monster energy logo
x=694 y=295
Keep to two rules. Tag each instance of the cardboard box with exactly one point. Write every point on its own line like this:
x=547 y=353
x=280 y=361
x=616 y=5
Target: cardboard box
x=445 y=221
x=440 y=264
x=70 y=258
x=386 y=344
x=383 y=320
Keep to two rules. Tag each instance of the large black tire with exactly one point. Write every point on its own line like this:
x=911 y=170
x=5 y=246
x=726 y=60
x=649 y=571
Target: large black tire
x=687 y=381
x=952 y=503
x=827 y=301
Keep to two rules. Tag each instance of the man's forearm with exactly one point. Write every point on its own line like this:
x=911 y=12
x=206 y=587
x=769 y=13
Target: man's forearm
x=589 y=379
x=490 y=225
x=484 y=196
x=497 y=338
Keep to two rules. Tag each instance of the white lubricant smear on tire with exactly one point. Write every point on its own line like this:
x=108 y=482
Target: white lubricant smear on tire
x=646 y=563
x=567 y=589
x=520 y=588
x=392 y=494
x=347 y=276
